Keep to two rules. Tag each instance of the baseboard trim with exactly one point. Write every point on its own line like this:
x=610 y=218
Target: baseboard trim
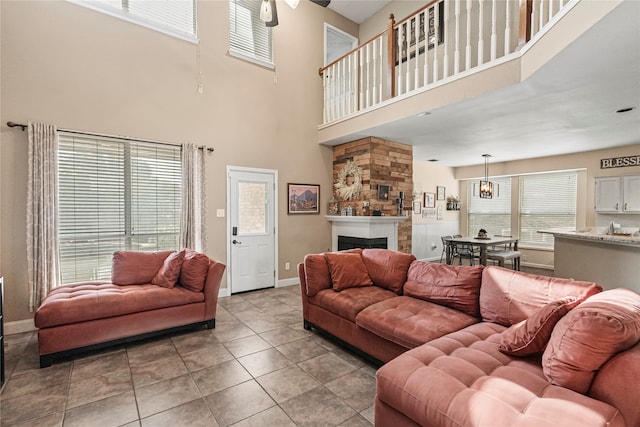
x=19 y=326
x=223 y=292
x=288 y=282
x=540 y=266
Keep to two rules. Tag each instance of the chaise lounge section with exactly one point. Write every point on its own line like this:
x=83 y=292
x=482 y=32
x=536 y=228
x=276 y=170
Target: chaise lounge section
x=150 y=293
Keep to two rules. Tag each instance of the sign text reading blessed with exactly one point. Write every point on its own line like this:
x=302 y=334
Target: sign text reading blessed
x=619 y=162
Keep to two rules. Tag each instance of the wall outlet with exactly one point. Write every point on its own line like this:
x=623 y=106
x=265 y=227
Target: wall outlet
x=220 y=213
x=287 y=266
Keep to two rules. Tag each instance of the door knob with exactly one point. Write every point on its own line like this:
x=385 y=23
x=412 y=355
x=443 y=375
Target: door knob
x=235 y=242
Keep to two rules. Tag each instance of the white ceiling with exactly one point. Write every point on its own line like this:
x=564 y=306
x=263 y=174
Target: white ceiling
x=568 y=106
x=357 y=10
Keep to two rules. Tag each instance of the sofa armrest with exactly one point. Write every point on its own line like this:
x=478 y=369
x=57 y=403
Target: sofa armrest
x=303 y=290
x=211 y=288
x=616 y=383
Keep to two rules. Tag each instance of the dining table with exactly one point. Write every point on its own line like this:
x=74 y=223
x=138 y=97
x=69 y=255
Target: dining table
x=481 y=242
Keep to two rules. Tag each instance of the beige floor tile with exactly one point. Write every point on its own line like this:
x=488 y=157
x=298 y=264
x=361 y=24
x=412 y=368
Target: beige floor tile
x=111 y=412
x=221 y=376
x=164 y=395
x=239 y=402
x=90 y=366
x=265 y=361
x=327 y=367
x=317 y=407
x=247 y=345
x=356 y=389
x=272 y=417
x=99 y=387
x=191 y=414
x=55 y=379
x=232 y=331
x=264 y=324
x=30 y=406
x=140 y=354
x=54 y=419
x=368 y=414
x=158 y=370
x=301 y=350
x=196 y=340
x=283 y=335
x=356 y=421
x=206 y=357
x=287 y=383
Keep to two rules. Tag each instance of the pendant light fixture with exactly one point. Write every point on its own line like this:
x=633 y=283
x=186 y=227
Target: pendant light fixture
x=266 y=14
x=486 y=186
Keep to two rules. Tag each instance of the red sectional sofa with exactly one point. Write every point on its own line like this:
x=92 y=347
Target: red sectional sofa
x=149 y=293
x=480 y=346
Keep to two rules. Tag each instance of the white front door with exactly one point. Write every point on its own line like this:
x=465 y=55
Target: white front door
x=251 y=228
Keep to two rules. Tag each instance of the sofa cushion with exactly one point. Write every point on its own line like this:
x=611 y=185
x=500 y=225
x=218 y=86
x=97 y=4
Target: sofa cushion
x=508 y=297
x=386 y=268
x=410 y=322
x=316 y=273
x=135 y=267
x=193 y=273
x=80 y=302
x=347 y=270
x=588 y=336
x=351 y=301
x=532 y=335
x=452 y=286
x=462 y=379
x=168 y=274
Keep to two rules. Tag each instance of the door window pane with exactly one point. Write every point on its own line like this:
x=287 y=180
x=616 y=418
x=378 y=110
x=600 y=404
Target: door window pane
x=251 y=208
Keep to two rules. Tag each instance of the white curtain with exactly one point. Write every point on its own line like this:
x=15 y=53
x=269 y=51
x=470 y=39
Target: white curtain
x=193 y=218
x=43 y=258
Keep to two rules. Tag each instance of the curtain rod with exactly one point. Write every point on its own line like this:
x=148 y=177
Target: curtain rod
x=20 y=125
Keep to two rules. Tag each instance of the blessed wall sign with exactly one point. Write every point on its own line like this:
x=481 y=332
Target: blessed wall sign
x=619 y=162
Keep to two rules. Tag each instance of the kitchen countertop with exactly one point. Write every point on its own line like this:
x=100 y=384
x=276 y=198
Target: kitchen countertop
x=589 y=234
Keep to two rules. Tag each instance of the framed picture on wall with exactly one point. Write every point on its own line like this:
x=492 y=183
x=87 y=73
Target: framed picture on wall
x=383 y=192
x=440 y=192
x=429 y=200
x=303 y=198
x=417 y=207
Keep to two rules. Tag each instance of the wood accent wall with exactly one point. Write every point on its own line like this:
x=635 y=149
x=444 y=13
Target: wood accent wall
x=383 y=163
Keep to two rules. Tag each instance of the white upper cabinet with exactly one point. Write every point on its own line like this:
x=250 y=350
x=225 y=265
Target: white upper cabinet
x=618 y=194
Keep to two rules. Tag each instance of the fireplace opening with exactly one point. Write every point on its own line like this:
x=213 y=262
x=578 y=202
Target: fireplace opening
x=348 y=242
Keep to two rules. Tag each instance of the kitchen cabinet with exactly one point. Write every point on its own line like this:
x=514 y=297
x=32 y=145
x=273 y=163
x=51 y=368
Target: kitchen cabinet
x=617 y=194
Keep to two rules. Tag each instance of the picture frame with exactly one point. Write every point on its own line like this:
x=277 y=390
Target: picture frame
x=429 y=200
x=303 y=199
x=417 y=207
x=383 y=192
x=440 y=192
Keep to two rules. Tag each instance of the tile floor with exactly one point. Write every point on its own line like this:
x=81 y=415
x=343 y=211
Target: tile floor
x=258 y=367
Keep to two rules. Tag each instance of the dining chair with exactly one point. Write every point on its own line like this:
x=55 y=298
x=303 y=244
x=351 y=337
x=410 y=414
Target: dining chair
x=443 y=255
x=506 y=253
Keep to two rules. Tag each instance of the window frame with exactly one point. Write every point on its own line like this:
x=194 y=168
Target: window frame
x=245 y=54
x=141 y=21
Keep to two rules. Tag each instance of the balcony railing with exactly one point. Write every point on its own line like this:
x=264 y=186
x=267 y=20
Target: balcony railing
x=443 y=40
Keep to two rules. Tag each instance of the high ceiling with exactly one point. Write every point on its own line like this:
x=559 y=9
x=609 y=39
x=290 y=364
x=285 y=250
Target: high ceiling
x=568 y=106
x=357 y=10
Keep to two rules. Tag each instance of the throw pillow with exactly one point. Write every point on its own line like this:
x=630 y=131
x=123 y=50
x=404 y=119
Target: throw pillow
x=194 y=270
x=589 y=335
x=532 y=335
x=387 y=269
x=453 y=286
x=347 y=270
x=170 y=270
x=136 y=267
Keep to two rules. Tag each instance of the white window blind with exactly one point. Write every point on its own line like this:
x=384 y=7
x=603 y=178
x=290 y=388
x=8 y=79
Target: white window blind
x=493 y=215
x=114 y=195
x=175 y=17
x=546 y=201
x=249 y=37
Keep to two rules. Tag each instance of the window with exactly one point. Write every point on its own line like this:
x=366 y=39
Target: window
x=493 y=215
x=174 y=17
x=249 y=37
x=546 y=201
x=114 y=195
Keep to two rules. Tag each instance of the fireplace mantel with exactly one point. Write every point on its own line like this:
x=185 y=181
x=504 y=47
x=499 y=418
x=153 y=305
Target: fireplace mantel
x=366 y=227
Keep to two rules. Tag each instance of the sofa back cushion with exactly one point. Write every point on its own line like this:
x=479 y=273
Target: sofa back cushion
x=194 y=270
x=589 y=335
x=508 y=297
x=388 y=269
x=168 y=274
x=316 y=273
x=347 y=270
x=136 y=267
x=453 y=286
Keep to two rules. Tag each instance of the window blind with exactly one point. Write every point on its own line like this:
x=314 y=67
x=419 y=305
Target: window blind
x=493 y=215
x=249 y=37
x=177 y=17
x=114 y=195
x=546 y=201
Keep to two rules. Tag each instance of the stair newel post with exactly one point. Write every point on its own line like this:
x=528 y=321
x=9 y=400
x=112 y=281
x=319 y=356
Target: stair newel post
x=391 y=57
x=524 y=26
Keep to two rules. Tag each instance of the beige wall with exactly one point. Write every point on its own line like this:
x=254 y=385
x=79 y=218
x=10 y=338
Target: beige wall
x=80 y=69
x=426 y=177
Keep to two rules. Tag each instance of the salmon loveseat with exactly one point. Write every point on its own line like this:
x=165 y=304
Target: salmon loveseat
x=474 y=346
x=149 y=293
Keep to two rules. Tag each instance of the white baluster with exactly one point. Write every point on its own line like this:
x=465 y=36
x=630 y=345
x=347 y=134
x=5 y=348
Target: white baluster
x=354 y=81
x=343 y=87
x=467 y=59
x=436 y=27
x=425 y=31
x=494 y=36
x=481 y=32
x=374 y=69
x=381 y=62
x=456 y=52
x=416 y=73
x=533 y=19
x=445 y=72
x=361 y=70
x=400 y=58
x=507 y=30
x=407 y=70
x=368 y=72
x=541 y=15
x=332 y=92
x=550 y=10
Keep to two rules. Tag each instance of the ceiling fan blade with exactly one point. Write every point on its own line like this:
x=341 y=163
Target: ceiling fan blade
x=323 y=3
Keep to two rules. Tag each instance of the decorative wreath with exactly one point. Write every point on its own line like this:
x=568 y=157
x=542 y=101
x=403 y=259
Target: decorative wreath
x=343 y=189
